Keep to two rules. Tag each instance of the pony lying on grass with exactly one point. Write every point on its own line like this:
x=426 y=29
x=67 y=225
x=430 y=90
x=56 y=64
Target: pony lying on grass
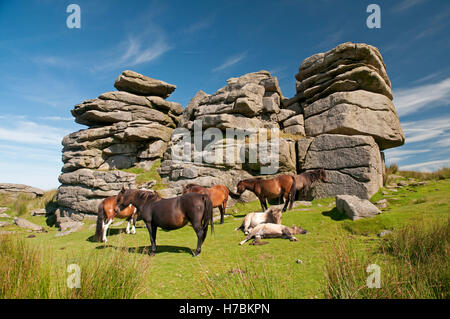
x=273 y=231
x=251 y=220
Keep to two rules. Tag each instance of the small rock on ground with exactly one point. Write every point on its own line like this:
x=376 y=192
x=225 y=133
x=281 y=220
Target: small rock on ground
x=384 y=233
x=23 y=223
x=39 y=212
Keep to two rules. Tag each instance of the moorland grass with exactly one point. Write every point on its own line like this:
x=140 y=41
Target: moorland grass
x=28 y=272
x=414 y=263
x=226 y=270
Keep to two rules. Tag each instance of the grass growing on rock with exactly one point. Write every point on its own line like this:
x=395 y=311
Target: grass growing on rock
x=280 y=269
x=143 y=176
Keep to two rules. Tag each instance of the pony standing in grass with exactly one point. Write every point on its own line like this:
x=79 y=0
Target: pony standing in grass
x=282 y=186
x=107 y=212
x=170 y=213
x=218 y=194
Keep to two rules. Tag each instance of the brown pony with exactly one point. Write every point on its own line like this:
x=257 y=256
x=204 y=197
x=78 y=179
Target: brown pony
x=107 y=212
x=277 y=187
x=305 y=180
x=170 y=213
x=218 y=194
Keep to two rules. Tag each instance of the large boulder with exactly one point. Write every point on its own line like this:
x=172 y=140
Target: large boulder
x=356 y=208
x=84 y=189
x=347 y=91
x=139 y=84
x=117 y=146
x=127 y=128
x=355 y=113
x=353 y=163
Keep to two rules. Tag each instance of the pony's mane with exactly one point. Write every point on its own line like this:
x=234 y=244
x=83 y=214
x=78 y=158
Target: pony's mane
x=141 y=194
x=314 y=175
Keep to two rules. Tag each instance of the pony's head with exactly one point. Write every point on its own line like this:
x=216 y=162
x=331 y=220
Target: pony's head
x=241 y=187
x=298 y=230
x=323 y=175
x=188 y=187
x=276 y=214
x=122 y=199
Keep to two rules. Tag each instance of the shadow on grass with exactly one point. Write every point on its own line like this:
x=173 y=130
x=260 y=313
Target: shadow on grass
x=334 y=214
x=146 y=249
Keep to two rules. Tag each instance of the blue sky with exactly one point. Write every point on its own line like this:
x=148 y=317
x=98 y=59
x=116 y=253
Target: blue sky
x=47 y=68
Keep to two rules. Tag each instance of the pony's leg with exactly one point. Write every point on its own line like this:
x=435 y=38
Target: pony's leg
x=152 y=232
x=246 y=239
x=247 y=226
x=222 y=213
x=262 y=200
x=128 y=226
x=134 y=218
x=200 y=238
x=287 y=199
x=105 y=229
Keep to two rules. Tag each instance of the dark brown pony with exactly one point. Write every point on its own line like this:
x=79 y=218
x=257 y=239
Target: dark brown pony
x=282 y=186
x=107 y=213
x=170 y=213
x=305 y=180
x=218 y=194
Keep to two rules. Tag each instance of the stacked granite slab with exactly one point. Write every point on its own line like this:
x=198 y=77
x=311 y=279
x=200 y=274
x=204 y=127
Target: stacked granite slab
x=248 y=103
x=349 y=117
x=127 y=128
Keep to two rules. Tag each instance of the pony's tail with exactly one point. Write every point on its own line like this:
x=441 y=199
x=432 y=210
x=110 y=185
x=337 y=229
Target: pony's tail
x=207 y=215
x=293 y=193
x=233 y=195
x=100 y=218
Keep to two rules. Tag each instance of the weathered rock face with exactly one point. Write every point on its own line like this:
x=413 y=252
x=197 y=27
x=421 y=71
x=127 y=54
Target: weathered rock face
x=339 y=120
x=246 y=104
x=347 y=91
x=139 y=84
x=356 y=112
x=16 y=189
x=353 y=164
x=126 y=128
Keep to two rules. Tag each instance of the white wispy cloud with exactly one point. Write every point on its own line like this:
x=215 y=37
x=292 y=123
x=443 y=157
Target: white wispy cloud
x=230 y=62
x=419 y=131
x=200 y=25
x=55 y=118
x=411 y=100
x=331 y=39
x=406 y=4
x=135 y=53
x=53 y=61
x=32 y=133
x=427 y=166
x=399 y=155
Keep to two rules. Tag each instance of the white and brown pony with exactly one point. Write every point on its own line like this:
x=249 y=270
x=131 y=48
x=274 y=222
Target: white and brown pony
x=107 y=212
x=251 y=220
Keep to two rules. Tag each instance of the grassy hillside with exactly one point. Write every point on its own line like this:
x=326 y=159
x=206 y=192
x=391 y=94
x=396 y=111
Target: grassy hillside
x=323 y=263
